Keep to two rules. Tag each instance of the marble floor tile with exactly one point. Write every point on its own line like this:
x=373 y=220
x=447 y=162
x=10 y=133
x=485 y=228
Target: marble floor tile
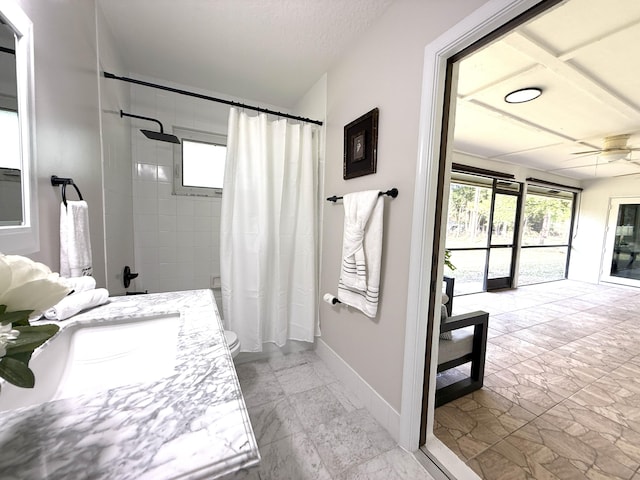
x=317 y=406
x=274 y=421
x=261 y=389
x=579 y=303
x=539 y=339
x=350 y=440
x=471 y=424
x=503 y=357
x=301 y=378
x=395 y=464
x=588 y=351
x=518 y=346
x=615 y=396
x=293 y=457
x=342 y=439
x=556 y=444
x=556 y=374
x=559 y=331
x=529 y=395
x=346 y=397
x=496 y=464
x=294 y=359
x=253 y=369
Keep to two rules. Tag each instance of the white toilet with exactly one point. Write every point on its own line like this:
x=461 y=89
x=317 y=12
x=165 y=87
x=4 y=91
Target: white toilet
x=233 y=342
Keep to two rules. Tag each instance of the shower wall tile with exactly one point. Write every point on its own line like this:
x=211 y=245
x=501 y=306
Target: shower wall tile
x=168 y=254
x=165 y=190
x=185 y=223
x=149 y=255
x=185 y=206
x=146 y=205
x=177 y=238
x=203 y=224
x=167 y=206
x=146 y=171
x=146 y=223
x=165 y=174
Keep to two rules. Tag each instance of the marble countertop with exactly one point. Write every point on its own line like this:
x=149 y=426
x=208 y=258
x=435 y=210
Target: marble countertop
x=190 y=425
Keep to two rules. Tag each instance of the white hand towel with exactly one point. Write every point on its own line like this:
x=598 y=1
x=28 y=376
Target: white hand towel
x=361 y=251
x=77 y=302
x=80 y=284
x=75 y=246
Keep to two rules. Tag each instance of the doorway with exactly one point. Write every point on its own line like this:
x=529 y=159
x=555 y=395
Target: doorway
x=621 y=259
x=427 y=236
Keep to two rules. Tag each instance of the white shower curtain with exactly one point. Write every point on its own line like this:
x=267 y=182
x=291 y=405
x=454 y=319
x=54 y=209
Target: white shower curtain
x=268 y=239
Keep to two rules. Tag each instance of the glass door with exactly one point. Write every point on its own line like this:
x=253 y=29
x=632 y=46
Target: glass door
x=482 y=226
x=621 y=262
x=503 y=234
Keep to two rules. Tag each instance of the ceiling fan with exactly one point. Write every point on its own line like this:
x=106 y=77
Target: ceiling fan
x=614 y=148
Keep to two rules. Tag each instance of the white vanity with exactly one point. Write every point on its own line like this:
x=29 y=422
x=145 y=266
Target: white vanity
x=109 y=412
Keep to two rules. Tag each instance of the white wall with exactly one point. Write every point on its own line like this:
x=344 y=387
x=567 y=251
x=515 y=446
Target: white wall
x=589 y=235
x=67 y=119
x=116 y=148
x=382 y=69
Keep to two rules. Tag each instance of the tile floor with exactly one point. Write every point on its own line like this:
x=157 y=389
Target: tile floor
x=562 y=390
x=308 y=426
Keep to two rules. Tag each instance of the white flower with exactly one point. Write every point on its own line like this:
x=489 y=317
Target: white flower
x=7 y=335
x=28 y=285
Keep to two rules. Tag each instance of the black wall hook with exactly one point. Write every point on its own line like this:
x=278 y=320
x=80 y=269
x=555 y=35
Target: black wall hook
x=127 y=276
x=56 y=181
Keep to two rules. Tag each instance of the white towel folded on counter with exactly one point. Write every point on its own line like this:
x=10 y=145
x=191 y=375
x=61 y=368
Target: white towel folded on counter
x=80 y=284
x=77 y=302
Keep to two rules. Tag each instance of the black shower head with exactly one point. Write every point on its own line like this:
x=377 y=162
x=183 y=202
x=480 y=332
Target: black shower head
x=160 y=136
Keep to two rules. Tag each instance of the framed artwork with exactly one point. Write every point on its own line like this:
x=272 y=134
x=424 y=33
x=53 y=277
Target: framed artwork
x=361 y=146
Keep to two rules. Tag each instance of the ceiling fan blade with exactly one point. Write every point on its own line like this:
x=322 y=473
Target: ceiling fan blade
x=586 y=151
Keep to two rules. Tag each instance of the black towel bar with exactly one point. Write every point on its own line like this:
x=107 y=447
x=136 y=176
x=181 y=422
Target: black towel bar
x=56 y=181
x=393 y=193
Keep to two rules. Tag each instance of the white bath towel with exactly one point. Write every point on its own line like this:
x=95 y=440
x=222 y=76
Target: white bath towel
x=75 y=246
x=77 y=302
x=361 y=251
x=80 y=284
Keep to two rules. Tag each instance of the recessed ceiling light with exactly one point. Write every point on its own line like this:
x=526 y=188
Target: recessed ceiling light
x=523 y=95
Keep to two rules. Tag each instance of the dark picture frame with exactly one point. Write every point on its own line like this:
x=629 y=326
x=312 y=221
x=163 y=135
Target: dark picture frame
x=361 y=146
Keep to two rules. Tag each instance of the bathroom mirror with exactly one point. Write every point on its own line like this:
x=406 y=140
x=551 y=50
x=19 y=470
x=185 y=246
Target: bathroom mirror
x=18 y=204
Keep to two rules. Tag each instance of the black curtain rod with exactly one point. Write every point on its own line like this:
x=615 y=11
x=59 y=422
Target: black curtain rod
x=212 y=99
x=7 y=50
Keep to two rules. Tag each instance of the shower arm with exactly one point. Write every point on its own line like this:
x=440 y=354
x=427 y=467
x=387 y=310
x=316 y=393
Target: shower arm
x=123 y=114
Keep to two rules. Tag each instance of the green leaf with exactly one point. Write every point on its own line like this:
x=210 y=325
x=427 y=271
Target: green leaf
x=2 y=309
x=19 y=318
x=23 y=357
x=16 y=372
x=31 y=338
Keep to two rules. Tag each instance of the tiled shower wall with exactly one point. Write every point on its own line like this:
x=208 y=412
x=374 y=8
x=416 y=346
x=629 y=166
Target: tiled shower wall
x=177 y=244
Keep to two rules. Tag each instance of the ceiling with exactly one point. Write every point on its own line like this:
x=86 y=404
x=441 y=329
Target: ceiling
x=272 y=51
x=582 y=55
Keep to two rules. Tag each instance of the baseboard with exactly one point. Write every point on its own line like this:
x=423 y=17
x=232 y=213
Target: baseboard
x=379 y=408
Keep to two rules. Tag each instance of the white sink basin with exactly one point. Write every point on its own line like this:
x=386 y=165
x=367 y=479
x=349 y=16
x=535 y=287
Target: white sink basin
x=89 y=358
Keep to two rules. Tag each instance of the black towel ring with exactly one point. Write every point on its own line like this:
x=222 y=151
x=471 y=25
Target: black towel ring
x=55 y=181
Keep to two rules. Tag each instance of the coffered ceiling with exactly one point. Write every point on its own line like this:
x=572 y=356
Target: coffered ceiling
x=583 y=55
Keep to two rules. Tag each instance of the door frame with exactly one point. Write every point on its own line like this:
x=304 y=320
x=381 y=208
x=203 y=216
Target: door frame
x=422 y=292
